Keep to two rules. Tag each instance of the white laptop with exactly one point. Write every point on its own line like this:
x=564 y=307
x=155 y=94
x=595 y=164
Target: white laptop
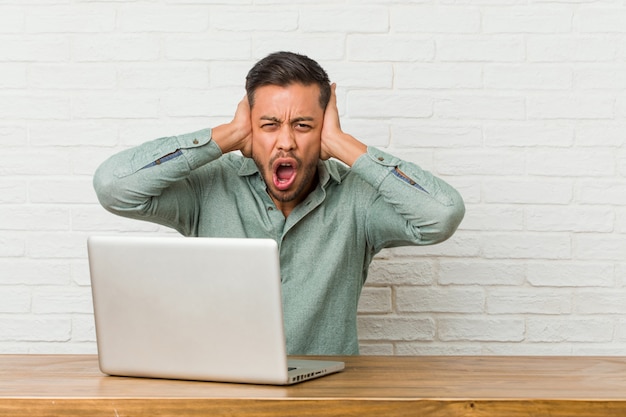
x=193 y=308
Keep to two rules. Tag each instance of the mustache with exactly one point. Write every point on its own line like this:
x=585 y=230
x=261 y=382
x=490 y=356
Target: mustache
x=284 y=155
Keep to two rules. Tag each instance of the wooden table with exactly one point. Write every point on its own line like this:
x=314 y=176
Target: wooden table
x=72 y=385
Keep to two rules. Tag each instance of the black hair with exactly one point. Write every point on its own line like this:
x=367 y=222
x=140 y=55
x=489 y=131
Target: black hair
x=286 y=68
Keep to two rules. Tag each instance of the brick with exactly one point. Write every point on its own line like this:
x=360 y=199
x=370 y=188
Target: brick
x=395 y=48
x=53 y=245
x=28 y=106
x=73 y=133
x=487 y=217
x=410 y=133
x=203 y=47
x=47 y=300
x=527 y=77
x=116 y=105
x=401 y=272
x=600 y=134
x=74 y=19
x=116 y=47
x=395 y=328
x=557 y=330
x=35 y=329
x=571 y=274
x=439 y=300
x=164 y=76
x=34 y=218
x=607 y=77
x=527 y=246
x=12 y=245
x=12 y=76
x=361 y=75
x=64 y=76
x=254 y=19
x=12 y=191
x=11 y=19
x=561 y=219
x=80 y=272
x=526 y=349
x=460 y=245
x=480 y=107
x=529 y=301
x=435 y=19
x=15 y=299
x=152 y=18
x=75 y=190
x=376 y=349
x=344 y=19
x=601 y=20
x=524 y=134
x=479 y=272
x=527 y=20
x=436 y=349
x=228 y=73
x=620 y=220
x=483 y=162
x=438 y=76
x=184 y=103
x=13 y=135
x=570 y=48
x=30 y=162
x=599 y=246
x=95 y=218
x=321 y=46
x=49 y=48
x=571 y=107
x=83 y=328
x=528 y=191
x=606 y=301
x=375 y=300
x=481 y=49
x=370 y=132
x=612 y=192
x=480 y=329
x=16 y=271
x=388 y=104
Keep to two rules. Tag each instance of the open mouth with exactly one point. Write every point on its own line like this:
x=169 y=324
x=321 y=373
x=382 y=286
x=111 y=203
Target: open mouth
x=284 y=173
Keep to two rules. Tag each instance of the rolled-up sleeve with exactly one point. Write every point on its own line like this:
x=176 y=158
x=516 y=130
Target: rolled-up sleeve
x=414 y=206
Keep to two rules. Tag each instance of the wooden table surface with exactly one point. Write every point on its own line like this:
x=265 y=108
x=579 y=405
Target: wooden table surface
x=68 y=385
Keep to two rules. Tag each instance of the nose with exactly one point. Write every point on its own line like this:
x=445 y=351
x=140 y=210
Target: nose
x=286 y=140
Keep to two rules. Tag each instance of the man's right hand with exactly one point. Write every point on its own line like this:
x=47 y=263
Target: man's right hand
x=236 y=135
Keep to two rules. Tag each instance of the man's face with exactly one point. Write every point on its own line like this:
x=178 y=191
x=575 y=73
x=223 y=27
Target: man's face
x=286 y=140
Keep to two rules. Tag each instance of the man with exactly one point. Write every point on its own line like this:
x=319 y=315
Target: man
x=329 y=218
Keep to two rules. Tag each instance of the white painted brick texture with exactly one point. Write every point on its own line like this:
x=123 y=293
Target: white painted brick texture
x=519 y=105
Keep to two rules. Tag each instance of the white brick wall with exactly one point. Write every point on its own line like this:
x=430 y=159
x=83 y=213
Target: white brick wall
x=520 y=104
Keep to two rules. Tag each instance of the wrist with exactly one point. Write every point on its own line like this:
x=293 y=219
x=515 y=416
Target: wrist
x=228 y=137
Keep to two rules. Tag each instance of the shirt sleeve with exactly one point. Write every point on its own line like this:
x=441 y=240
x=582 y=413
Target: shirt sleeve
x=412 y=206
x=146 y=182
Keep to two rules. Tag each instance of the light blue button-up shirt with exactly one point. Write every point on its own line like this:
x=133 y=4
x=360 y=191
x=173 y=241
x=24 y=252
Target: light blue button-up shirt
x=326 y=243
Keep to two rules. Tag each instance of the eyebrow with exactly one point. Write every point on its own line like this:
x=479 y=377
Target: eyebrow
x=295 y=120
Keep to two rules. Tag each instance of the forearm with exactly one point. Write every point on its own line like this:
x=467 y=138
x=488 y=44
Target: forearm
x=345 y=148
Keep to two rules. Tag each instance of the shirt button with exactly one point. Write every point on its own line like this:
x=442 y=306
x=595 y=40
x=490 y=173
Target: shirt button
x=158 y=162
x=380 y=158
x=195 y=141
x=270 y=208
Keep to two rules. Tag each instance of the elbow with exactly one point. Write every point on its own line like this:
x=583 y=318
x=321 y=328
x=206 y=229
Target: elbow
x=451 y=219
x=105 y=186
x=444 y=223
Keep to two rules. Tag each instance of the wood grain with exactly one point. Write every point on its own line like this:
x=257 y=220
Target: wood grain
x=72 y=385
